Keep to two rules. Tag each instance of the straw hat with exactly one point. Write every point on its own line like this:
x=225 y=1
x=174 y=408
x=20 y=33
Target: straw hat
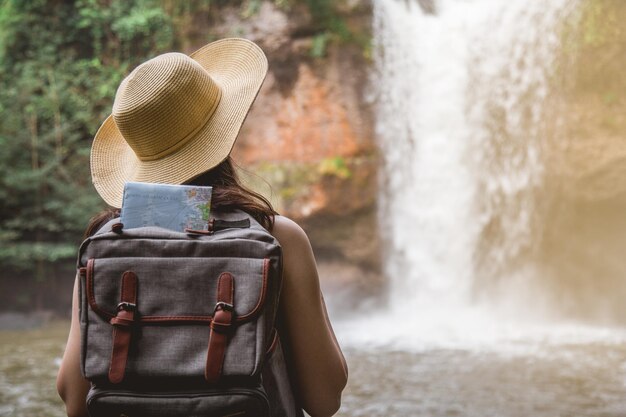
x=176 y=116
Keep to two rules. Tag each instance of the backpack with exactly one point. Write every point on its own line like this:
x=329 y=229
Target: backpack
x=183 y=323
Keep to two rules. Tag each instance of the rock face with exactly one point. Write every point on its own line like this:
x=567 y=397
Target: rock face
x=308 y=142
x=314 y=145
x=584 y=232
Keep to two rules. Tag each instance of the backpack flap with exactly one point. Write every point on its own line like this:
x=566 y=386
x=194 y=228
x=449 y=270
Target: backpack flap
x=155 y=314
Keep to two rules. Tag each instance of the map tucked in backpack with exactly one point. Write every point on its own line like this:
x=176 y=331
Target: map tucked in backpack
x=174 y=207
x=182 y=324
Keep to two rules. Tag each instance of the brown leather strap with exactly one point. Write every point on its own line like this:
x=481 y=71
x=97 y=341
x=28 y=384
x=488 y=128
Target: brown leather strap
x=122 y=327
x=220 y=328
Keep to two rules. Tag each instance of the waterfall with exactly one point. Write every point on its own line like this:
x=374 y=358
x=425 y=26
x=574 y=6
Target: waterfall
x=461 y=87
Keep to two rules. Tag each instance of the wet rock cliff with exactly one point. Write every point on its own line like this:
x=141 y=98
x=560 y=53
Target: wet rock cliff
x=586 y=165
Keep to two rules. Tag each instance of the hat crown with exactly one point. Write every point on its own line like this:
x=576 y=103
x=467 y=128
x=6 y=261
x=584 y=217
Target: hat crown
x=162 y=103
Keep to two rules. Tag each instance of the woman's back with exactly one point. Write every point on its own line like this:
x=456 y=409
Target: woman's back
x=123 y=152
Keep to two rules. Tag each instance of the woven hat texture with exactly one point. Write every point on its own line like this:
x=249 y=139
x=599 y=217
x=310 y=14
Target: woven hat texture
x=176 y=116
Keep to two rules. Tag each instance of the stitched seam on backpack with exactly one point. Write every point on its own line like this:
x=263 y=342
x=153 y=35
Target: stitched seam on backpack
x=266 y=264
x=91 y=293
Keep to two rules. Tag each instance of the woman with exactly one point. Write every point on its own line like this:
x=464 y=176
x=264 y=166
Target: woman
x=175 y=120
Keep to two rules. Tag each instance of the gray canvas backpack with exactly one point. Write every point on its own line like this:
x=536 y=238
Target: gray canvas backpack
x=182 y=324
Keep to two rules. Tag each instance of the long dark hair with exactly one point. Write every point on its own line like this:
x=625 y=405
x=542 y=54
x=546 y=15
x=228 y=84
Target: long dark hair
x=228 y=194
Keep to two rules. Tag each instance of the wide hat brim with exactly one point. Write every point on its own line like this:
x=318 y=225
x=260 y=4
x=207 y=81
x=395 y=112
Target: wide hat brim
x=238 y=67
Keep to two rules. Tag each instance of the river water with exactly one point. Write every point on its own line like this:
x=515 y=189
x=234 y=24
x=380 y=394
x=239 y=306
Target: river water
x=539 y=378
x=29 y=361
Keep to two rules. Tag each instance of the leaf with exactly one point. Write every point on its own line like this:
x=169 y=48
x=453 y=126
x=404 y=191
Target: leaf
x=318 y=47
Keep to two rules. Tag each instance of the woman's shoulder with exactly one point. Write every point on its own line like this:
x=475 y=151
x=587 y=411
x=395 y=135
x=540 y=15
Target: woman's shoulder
x=288 y=232
x=296 y=246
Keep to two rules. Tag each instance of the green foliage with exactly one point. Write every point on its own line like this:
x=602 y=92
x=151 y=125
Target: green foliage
x=21 y=256
x=250 y=8
x=318 y=48
x=283 y=4
x=332 y=27
x=293 y=181
x=596 y=46
x=335 y=166
x=601 y=24
x=60 y=65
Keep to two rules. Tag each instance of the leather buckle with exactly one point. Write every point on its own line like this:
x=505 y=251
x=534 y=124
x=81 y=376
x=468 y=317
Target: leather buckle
x=126 y=306
x=221 y=305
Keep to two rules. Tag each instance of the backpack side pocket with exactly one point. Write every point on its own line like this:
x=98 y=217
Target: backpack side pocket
x=277 y=384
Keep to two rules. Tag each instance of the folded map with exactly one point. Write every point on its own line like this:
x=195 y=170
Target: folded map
x=174 y=207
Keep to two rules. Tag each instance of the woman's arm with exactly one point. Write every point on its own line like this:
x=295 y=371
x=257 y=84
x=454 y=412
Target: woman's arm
x=71 y=385
x=318 y=367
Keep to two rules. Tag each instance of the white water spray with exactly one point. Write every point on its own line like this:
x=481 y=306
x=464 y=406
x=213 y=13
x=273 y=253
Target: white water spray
x=460 y=96
x=439 y=77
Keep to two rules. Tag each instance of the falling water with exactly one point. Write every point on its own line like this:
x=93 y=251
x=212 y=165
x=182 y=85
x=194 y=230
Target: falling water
x=461 y=87
x=462 y=120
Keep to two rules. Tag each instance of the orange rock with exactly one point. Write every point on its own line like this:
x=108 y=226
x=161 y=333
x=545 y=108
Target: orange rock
x=308 y=125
